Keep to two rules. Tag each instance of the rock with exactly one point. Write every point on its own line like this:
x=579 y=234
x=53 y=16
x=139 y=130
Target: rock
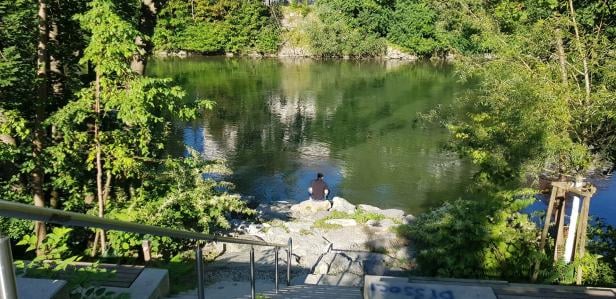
x=392 y=213
x=342 y=222
x=288 y=50
x=404 y=253
x=409 y=219
x=254 y=229
x=310 y=207
x=342 y=205
x=389 y=213
x=372 y=223
x=298 y=226
x=395 y=53
x=343 y=264
x=182 y=54
x=213 y=249
x=383 y=224
x=368 y=208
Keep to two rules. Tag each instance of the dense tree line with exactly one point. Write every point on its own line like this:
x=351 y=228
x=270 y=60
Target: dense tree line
x=82 y=128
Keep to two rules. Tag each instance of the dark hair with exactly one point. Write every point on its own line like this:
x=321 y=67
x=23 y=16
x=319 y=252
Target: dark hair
x=319 y=175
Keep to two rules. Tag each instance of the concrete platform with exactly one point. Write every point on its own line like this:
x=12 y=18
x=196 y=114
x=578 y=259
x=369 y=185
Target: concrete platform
x=35 y=288
x=447 y=288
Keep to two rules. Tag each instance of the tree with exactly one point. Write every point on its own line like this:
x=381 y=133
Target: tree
x=535 y=110
x=121 y=120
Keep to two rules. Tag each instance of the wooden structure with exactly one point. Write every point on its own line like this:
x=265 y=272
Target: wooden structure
x=555 y=216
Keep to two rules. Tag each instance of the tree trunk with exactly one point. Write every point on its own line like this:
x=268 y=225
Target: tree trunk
x=6 y=138
x=99 y=163
x=147 y=23
x=38 y=140
x=561 y=56
x=581 y=50
x=55 y=64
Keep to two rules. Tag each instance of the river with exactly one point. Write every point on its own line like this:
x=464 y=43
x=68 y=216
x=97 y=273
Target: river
x=279 y=122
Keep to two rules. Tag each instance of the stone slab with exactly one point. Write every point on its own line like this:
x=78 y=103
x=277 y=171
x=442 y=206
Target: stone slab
x=382 y=287
x=41 y=288
x=342 y=222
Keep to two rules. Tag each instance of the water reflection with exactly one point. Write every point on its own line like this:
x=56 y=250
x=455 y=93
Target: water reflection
x=279 y=122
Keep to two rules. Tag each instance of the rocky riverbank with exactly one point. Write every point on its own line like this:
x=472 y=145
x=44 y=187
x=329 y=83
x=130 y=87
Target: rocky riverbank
x=332 y=240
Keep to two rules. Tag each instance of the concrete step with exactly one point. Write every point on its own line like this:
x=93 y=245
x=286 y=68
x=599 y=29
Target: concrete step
x=265 y=289
x=306 y=291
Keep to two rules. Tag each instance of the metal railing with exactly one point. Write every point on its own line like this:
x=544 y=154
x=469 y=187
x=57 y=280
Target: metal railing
x=29 y=212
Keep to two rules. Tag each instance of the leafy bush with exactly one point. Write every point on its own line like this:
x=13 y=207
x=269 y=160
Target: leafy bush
x=413 y=26
x=483 y=238
x=331 y=36
x=214 y=27
x=177 y=196
x=55 y=262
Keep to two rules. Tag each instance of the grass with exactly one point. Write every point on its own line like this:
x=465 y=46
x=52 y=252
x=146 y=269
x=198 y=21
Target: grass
x=179 y=269
x=360 y=216
x=402 y=231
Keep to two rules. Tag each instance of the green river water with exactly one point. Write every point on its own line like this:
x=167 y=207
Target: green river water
x=279 y=122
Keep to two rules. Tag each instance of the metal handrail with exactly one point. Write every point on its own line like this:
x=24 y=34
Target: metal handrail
x=48 y=215
x=29 y=212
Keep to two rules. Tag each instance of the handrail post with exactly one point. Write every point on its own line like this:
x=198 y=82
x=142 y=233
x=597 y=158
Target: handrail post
x=8 y=286
x=289 y=254
x=276 y=268
x=253 y=294
x=199 y=261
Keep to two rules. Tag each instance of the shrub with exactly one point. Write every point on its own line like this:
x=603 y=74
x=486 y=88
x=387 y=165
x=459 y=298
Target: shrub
x=331 y=36
x=413 y=27
x=483 y=238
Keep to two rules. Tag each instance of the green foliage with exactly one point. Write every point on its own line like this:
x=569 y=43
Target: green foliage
x=177 y=195
x=214 y=27
x=505 y=130
x=360 y=216
x=602 y=242
x=595 y=272
x=413 y=26
x=331 y=35
x=58 y=262
x=482 y=238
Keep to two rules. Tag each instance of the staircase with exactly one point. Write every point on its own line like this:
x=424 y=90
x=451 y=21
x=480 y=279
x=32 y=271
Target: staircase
x=265 y=289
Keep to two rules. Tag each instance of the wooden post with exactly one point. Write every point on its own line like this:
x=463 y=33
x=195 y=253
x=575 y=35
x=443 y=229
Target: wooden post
x=544 y=233
x=561 y=227
x=147 y=250
x=581 y=240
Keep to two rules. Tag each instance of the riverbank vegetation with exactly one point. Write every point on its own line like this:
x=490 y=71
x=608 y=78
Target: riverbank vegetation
x=216 y=27
x=545 y=105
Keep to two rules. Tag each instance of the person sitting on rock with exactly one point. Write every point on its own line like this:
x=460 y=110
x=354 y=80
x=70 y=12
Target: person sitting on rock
x=318 y=188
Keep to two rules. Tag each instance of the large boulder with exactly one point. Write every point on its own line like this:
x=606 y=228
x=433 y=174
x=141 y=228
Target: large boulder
x=368 y=208
x=342 y=222
x=384 y=224
x=310 y=207
x=409 y=219
x=392 y=213
x=389 y=213
x=342 y=205
x=399 y=54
